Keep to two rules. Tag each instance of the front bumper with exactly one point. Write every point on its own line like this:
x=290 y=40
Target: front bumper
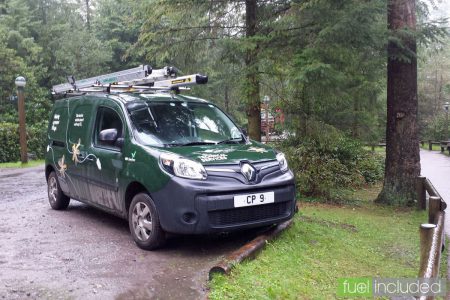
x=196 y=207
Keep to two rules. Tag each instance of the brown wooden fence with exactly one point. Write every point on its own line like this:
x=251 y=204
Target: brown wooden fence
x=444 y=145
x=432 y=237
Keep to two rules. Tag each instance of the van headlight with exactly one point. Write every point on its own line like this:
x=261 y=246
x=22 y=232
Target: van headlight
x=182 y=167
x=282 y=162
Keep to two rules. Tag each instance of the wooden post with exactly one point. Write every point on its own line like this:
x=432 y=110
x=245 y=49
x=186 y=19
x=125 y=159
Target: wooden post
x=373 y=148
x=434 y=207
x=426 y=239
x=421 y=193
x=422 y=143
x=22 y=126
x=430 y=145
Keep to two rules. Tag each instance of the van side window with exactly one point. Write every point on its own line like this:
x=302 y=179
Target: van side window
x=107 y=119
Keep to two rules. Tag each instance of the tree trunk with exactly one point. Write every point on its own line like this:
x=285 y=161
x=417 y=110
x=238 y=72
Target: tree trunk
x=227 y=100
x=355 y=124
x=402 y=151
x=88 y=15
x=253 y=107
x=2 y=7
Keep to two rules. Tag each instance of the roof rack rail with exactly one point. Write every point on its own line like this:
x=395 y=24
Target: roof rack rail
x=137 y=80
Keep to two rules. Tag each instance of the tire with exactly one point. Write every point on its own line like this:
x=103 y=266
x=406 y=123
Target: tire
x=56 y=197
x=143 y=220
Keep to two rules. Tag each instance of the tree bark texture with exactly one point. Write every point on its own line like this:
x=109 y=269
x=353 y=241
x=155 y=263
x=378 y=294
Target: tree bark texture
x=402 y=150
x=88 y=15
x=253 y=106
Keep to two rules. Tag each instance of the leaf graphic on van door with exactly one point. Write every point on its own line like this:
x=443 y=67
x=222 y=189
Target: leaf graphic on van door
x=62 y=166
x=99 y=164
x=76 y=152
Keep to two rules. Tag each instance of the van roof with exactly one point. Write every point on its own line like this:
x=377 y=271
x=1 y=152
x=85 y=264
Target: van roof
x=131 y=97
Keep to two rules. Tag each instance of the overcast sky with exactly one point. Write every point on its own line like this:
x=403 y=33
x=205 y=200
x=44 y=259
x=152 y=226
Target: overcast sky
x=443 y=9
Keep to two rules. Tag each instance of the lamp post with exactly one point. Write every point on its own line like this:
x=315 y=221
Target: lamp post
x=266 y=102
x=20 y=84
x=446 y=106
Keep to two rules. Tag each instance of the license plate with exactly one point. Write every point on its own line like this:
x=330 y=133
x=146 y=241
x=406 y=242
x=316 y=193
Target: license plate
x=254 y=199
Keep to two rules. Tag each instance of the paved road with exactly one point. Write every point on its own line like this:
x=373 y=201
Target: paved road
x=436 y=166
x=83 y=253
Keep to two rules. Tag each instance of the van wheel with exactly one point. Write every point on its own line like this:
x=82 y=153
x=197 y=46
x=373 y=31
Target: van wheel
x=144 y=223
x=56 y=197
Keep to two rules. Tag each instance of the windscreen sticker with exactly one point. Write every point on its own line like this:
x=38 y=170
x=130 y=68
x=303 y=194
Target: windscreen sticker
x=212 y=157
x=55 y=122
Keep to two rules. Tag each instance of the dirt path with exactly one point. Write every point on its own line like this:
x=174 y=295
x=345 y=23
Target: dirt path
x=83 y=253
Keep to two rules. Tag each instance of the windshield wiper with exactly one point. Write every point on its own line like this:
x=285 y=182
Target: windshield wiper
x=231 y=141
x=196 y=144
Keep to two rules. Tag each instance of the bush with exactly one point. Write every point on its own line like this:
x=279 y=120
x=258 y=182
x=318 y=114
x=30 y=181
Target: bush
x=9 y=141
x=325 y=167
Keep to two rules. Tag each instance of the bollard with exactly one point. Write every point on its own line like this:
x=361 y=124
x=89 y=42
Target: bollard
x=421 y=193
x=430 y=145
x=422 y=143
x=426 y=239
x=434 y=207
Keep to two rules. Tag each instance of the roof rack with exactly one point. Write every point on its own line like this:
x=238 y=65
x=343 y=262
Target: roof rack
x=138 y=80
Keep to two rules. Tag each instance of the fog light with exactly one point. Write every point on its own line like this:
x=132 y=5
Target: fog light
x=190 y=217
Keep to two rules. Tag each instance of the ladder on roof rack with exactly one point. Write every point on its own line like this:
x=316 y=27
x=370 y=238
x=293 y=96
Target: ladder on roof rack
x=139 y=79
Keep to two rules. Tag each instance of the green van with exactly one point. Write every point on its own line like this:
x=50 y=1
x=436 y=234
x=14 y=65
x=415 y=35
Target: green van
x=168 y=163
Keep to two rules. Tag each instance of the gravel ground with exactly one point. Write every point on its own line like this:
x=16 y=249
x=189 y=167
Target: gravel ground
x=84 y=253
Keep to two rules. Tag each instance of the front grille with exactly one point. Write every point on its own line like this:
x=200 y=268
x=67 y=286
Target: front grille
x=249 y=214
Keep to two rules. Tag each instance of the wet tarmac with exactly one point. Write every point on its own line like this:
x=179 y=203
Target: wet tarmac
x=436 y=167
x=84 y=253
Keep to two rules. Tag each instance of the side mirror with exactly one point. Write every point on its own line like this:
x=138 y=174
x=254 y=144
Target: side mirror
x=108 y=136
x=119 y=142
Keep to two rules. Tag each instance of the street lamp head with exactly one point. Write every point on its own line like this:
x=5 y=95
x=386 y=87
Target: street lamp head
x=20 y=82
x=446 y=105
x=266 y=99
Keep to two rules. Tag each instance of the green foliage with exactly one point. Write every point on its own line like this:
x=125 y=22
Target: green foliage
x=435 y=129
x=328 y=164
x=433 y=92
x=9 y=141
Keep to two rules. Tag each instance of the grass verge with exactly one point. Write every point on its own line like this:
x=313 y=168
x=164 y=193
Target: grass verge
x=434 y=147
x=31 y=163
x=326 y=243
x=377 y=149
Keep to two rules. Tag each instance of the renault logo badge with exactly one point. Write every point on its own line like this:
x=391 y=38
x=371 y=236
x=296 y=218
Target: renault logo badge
x=248 y=171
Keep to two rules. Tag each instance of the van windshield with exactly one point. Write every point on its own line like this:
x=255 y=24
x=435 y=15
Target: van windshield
x=183 y=124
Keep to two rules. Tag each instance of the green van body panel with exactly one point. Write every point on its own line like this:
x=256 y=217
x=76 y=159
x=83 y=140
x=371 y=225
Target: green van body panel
x=101 y=175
